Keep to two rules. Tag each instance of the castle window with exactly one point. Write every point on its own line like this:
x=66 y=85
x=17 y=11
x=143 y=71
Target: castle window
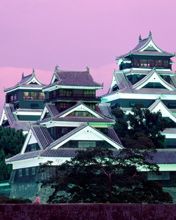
x=88 y=93
x=166 y=63
x=33 y=171
x=136 y=63
x=20 y=173
x=151 y=63
x=156 y=85
x=86 y=144
x=158 y=63
x=27 y=171
x=65 y=92
x=144 y=63
x=33 y=96
x=63 y=105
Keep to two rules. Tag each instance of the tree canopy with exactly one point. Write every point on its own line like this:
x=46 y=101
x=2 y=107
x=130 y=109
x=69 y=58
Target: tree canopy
x=102 y=175
x=11 y=142
x=140 y=128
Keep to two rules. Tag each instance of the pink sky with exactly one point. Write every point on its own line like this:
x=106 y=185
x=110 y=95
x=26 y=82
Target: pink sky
x=74 y=34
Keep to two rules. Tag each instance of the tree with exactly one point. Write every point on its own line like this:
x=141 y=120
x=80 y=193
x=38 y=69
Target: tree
x=140 y=128
x=5 y=169
x=11 y=142
x=103 y=175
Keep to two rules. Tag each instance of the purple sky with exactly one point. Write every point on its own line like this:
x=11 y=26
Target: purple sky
x=77 y=33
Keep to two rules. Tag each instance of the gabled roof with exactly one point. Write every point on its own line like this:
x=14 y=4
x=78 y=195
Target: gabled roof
x=152 y=76
x=55 y=150
x=9 y=109
x=42 y=135
x=73 y=78
x=80 y=106
x=121 y=80
x=162 y=156
x=64 y=116
x=24 y=156
x=158 y=105
x=21 y=125
x=39 y=135
x=27 y=81
x=8 y=114
x=147 y=47
x=51 y=109
x=86 y=131
x=105 y=109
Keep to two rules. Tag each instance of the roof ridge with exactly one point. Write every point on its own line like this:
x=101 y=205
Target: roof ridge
x=147 y=77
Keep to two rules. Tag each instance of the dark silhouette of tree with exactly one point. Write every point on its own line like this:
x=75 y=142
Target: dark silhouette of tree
x=11 y=142
x=102 y=175
x=141 y=128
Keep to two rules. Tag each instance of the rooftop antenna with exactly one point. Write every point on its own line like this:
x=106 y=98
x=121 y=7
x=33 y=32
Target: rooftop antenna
x=56 y=68
x=87 y=69
x=150 y=34
x=140 y=38
x=33 y=71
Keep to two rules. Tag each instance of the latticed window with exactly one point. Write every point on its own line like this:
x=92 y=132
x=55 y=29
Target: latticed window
x=65 y=92
x=80 y=114
x=88 y=93
x=86 y=144
x=33 y=96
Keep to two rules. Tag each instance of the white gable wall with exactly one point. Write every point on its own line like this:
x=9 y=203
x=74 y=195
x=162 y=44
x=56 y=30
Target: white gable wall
x=30 y=139
x=151 y=44
x=88 y=133
x=155 y=78
x=81 y=107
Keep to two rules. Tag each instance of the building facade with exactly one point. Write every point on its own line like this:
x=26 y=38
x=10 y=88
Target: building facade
x=24 y=103
x=71 y=120
x=145 y=78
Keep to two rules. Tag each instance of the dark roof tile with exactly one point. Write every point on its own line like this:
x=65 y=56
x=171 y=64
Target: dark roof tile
x=76 y=78
x=42 y=135
x=24 y=156
x=52 y=109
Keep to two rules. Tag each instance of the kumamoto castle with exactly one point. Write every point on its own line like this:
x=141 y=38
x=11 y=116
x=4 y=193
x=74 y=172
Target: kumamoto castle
x=66 y=115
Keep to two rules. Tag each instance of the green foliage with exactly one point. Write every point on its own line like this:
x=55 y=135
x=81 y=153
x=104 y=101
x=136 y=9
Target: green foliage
x=5 y=169
x=102 y=175
x=141 y=128
x=11 y=141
